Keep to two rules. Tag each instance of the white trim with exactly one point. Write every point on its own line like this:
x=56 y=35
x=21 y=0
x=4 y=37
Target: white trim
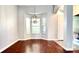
x=52 y=39
x=25 y=39
x=8 y=45
x=32 y=38
x=61 y=43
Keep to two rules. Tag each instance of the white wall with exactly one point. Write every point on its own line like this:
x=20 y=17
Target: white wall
x=52 y=27
x=21 y=23
x=8 y=25
x=60 y=25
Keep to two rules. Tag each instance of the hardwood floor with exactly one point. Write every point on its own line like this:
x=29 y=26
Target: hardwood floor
x=35 y=46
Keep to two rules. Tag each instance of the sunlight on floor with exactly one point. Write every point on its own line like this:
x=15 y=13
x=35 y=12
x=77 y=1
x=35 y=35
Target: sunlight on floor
x=28 y=49
x=35 y=48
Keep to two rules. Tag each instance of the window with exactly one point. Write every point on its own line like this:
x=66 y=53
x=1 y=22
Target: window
x=36 y=27
x=43 y=25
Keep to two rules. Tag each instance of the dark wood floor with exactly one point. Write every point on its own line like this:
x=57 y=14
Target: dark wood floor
x=35 y=45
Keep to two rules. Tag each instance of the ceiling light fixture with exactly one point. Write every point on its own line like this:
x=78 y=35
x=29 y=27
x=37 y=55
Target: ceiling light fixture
x=34 y=17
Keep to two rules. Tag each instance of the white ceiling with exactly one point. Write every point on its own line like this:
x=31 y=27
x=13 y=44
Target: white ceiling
x=38 y=8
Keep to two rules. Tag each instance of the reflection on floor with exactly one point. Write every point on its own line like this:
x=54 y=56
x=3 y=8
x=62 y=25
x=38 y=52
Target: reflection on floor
x=35 y=46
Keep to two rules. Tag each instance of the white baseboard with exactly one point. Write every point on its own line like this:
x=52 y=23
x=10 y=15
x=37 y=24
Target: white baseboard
x=8 y=45
x=61 y=43
x=32 y=38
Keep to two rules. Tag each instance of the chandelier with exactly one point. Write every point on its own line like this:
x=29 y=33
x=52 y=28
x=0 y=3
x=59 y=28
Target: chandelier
x=34 y=17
